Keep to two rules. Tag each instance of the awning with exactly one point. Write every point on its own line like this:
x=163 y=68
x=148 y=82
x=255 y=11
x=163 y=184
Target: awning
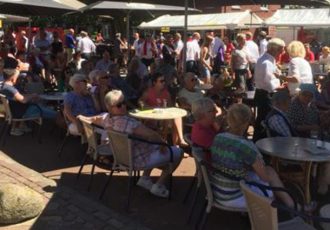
x=230 y=20
x=13 y=18
x=300 y=17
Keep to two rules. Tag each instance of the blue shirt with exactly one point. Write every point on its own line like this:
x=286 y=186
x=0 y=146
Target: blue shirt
x=69 y=41
x=80 y=105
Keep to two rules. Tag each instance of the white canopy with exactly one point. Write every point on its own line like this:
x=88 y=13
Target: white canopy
x=206 y=21
x=13 y=18
x=300 y=17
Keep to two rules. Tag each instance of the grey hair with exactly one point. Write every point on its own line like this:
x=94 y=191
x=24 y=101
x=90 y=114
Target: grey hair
x=238 y=115
x=200 y=106
x=275 y=44
x=75 y=78
x=280 y=97
x=113 y=97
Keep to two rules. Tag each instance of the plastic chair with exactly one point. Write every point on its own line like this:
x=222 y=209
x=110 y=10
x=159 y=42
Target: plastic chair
x=210 y=202
x=262 y=213
x=94 y=151
x=9 y=119
x=121 y=147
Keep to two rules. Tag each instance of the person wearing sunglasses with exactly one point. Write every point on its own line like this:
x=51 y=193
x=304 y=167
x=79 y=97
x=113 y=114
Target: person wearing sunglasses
x=101 y=85
x=144 y=154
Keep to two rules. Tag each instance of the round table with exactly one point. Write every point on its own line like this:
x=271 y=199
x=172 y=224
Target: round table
x=297 y=149
x=159 y=113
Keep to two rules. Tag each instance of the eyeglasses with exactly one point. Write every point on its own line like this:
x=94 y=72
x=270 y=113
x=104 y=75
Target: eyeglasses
x=120 y=104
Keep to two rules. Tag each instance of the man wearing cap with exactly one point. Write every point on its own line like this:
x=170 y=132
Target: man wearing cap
x=86 y=46
x=266 y=82
x=262 y=43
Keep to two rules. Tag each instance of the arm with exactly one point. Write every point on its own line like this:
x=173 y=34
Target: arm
x=25 y=99
x=203 y=57
x=260 y=169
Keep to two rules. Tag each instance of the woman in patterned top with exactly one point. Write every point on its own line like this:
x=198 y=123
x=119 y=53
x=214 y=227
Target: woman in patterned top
x=236 y=159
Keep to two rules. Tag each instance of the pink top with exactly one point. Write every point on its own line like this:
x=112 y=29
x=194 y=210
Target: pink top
x=202 y=136
x=155 y=100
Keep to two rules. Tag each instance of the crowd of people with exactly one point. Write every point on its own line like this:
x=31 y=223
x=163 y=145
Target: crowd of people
x=210 y=83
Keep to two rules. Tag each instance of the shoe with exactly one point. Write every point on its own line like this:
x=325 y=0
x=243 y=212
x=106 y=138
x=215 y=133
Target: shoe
x=159 y=190
x=16 y=132
x=145 y=182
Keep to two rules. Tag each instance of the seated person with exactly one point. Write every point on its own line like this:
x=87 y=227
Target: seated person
x=78 y=102
x=21 y=106
x=276 y=120
x=206 y=125
x=188 y=94
x=239 y=159
x=158 y=96
x=105 y=62
x=145 y=155
x=100 y=89
x=303 y=113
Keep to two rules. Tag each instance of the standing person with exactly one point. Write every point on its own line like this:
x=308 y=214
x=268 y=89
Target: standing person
x=262 y=43
x=193 y=53
x=240 y=64
x=178 y=46
x=135 y=45
x=70 y=44
x=229 y=47
x=310 y=57
x=253 y=54
x=148 y=50
x=57 y=44
x=118 y=48
x=22 y=42
x=86 y=46
x=168 y=51
x=266 y=81
x=216 y=50
x=206 y=60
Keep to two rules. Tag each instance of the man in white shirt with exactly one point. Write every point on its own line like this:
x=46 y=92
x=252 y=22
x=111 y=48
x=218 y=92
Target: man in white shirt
x=266 y=81
x=253 y=53
x=193 y=53
x=262 y=42
x=86 y=46
x=148 y=50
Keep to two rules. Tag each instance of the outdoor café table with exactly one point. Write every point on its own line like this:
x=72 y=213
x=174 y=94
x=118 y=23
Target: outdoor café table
x=298 y=149
x=159 y=114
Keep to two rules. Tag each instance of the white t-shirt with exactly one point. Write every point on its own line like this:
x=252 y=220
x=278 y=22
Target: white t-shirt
x=301 y=69
x=264 y=73
x=193 y=50
x=252 y=50
x=263 y=46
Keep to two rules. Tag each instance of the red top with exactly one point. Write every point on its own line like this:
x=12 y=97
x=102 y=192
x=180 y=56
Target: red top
x=310 y=56
x=202 y=136
x=283 y=58
x=155 y=100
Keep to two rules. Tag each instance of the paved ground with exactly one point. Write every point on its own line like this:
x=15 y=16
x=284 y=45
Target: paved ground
x=71 y=206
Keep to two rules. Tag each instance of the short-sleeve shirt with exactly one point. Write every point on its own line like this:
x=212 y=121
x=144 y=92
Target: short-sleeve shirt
x=190 y=96
x=155 y=100
x=141 y=150
x=233 y=156
x=202 y=136
x=80 y=105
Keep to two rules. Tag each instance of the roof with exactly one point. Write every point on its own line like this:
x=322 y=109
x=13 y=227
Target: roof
x=205 y=21
x=300 y=17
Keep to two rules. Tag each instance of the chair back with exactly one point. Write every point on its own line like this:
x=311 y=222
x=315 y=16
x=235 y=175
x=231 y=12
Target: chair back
x=265 y=126
x=121 y=147
x=206 y=179
x=5 y=103
x=261 y=212
x=90 y=136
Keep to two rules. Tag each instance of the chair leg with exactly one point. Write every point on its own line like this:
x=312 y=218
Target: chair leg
x=106 y=184
x=59 y=151
x=192 y=183
x=203 y=222
x=200 y=216
x=92 y=175
x=82 y=165
x=129 y=192
x=193 y=204
x=170 y=182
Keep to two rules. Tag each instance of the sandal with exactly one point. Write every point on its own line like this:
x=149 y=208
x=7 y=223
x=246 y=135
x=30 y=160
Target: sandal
x=159 y=190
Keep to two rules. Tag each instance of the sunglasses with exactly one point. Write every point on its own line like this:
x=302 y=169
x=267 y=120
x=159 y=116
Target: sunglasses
x=119 y=105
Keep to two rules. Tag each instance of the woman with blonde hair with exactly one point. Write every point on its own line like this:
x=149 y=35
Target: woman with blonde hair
x=325 y=56
x=237 y=158
x=300 y=71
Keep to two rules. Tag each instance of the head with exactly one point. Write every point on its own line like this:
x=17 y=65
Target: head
x=169 y=39
x=71 y=31
x=204 y=110
x=248 y=35
x=115 y=102
x=239 y=117
x=305 y=97
x=262 y=35
x=79 y=83
x=296 y=49
x=325 y=51
x=196 y=36
x=307 y=47
x=281 y=100
x=190 y=81
x=11 y=75
x=83 y=34
x=208 y=40
x=177 y=37
x=241 y=39
x=158 y=81
x=118 y=35
x=226 y=39
x=136 y=35
x=275 y=47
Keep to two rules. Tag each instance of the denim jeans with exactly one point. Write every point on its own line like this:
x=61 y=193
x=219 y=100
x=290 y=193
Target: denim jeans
x=37 y=111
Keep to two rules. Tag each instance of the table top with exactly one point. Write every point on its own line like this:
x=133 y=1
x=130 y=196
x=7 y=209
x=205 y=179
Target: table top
x=58 y=96
x=159 y=113
x=295 y=148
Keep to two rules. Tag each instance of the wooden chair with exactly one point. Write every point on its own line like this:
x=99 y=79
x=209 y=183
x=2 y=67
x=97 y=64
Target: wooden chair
x=210 y=202
x=264 y=216
x=9 y=119
x=95 y=151
x=121 y=147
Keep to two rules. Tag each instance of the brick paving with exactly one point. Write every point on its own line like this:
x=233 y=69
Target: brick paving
x=64 y=207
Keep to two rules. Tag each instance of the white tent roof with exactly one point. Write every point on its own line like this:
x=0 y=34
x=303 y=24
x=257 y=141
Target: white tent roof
x=205 y=21
x=13 y=18
x=300 y=17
